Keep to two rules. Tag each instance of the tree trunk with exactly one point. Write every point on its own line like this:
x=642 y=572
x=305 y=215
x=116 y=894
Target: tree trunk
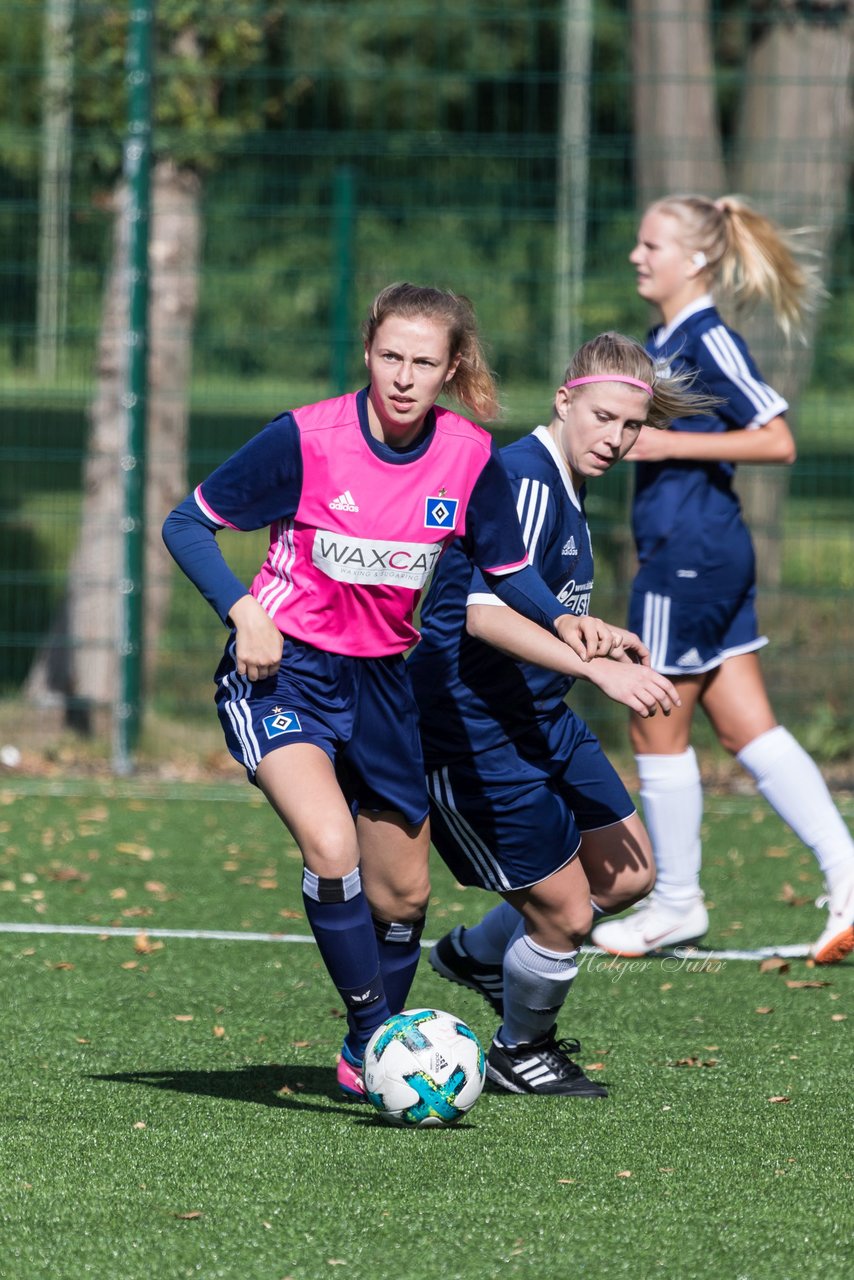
x=677 y=143
x=793 y=159
x=677 y=136
x=78 y=666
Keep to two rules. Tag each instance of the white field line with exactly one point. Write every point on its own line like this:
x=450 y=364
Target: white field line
x=794 y=951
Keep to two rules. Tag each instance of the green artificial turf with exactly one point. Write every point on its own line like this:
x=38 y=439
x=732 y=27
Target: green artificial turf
x=169 y=1105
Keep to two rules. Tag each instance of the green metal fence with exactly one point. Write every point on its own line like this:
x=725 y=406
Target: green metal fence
x=304 y=155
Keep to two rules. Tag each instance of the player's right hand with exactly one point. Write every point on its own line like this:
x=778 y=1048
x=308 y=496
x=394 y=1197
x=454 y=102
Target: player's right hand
x=636 y=686
x=258 y=641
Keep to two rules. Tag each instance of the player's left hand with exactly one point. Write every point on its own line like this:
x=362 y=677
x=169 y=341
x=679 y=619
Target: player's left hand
x=587 y=636
x=628 y=647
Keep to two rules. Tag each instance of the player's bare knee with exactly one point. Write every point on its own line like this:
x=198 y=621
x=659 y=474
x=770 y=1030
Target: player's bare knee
x=404 y=904
x=570 y=927
x=330 y=854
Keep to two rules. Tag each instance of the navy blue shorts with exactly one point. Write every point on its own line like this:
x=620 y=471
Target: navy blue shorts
x=510 y=817
x=360 y=711
x=689 y=637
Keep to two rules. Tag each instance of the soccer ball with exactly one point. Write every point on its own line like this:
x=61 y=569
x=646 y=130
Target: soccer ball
x=423 y=1067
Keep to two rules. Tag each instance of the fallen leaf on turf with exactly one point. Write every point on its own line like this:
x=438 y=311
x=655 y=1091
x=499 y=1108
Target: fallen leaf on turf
x=66 y=873
x=337 y=1262
x=100 y=813
x=665 y=1169
x=774 y=964
x=287 y=914
x=564 y=1182
x=764 y=1008
x=140 y=1124
x=130 y=964
x=194 y=1213
x=118 y=894
x=81 y=1040
x=838 y=1017
x=219 y=1032
x=624 y=1173
x=143 y=945
x=64 y=964
x=594 y=1066
x=302 y=1044
x=780 y=1098
x=806 y=983
x=666 y=986
x=137 y=850
x=792 y=899
x=776 y=852
x=184 y=1017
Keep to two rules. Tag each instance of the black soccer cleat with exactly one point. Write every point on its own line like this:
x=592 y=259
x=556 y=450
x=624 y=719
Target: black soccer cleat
x=543 y=1066
x=451 y=960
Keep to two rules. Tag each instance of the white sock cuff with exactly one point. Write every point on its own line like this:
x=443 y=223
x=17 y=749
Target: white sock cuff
x=763 y=752
x=531 y=956
x=669 y=773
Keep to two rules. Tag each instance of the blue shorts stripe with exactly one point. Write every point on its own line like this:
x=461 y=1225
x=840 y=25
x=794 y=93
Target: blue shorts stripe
x=469 y=843
x=656 y=627
x=236 y=710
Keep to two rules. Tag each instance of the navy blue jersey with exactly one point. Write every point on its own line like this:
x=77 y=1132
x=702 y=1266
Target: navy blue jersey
x=472 y=697
x=686 y=517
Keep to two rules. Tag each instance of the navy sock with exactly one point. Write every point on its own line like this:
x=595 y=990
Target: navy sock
x=343 y=928
x=399 y=948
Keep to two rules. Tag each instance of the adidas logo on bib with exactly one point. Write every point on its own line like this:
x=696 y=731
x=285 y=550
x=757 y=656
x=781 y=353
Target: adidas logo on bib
x=344 y=502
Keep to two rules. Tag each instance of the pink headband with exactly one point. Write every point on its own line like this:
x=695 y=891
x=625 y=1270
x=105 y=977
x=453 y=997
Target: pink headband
x=611 y=377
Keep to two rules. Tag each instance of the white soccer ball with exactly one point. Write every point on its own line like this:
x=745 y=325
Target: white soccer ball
x=423 y=1067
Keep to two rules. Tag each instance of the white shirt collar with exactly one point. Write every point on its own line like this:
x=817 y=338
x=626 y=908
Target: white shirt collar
x=545 y=438
x=699 y=304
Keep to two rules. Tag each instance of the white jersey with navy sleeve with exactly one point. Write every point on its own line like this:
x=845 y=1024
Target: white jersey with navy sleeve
x=689 y=532
x=472 y=697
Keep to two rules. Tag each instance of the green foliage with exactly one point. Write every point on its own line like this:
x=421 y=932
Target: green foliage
x=199 y=45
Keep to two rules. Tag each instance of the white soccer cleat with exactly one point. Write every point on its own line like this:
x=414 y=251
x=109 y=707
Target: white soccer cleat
x=652 y=926
x=837 y=940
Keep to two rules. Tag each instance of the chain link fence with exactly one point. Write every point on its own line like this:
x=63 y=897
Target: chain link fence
x=305 y=155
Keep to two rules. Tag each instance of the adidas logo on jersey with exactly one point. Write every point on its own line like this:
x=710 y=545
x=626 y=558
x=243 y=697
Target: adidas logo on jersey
x=690 y=659
x=569 y=547
x=344 y=502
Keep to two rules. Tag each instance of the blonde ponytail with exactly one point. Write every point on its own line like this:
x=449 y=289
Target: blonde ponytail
x=748 y=256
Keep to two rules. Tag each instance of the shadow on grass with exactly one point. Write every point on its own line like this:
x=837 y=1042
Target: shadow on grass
x=267 y=1086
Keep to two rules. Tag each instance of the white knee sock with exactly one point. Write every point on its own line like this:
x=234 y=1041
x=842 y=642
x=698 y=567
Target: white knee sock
x=487 y=941
x=672 y=797
x=536 y=983
x=790 y=781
